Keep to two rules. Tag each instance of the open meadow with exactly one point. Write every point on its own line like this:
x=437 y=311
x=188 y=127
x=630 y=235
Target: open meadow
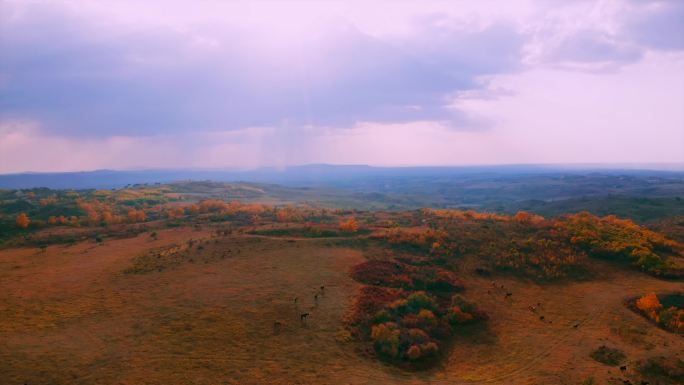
x=224 y=302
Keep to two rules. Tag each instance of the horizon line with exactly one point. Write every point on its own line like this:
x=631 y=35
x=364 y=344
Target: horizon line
x=643 y=166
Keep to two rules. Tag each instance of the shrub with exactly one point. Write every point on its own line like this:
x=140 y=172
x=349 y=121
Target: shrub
x=673 y=318
x=457 y=316
x=381 y=273
x=410 y=321
x=608 y=356
x=436 y=279
x=386 y=339
x=417 y=352
x=429 y=348
x=420 y=301
x=427 y=318
x=422 y=241
x=462 y=311
x=382 y=316
x=371 y=300
x=414 y=353
x=349 y=226
x=396 y=274
x=671 y=368
x=417 y=336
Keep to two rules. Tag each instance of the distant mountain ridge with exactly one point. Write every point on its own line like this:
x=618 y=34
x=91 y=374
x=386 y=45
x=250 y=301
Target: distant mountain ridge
x=306 y=175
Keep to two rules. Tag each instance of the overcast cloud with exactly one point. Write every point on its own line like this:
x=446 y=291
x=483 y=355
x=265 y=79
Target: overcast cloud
x=87 y=85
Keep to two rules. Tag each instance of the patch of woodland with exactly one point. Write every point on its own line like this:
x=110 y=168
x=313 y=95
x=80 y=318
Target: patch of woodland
x=406 y=276
x=664 y=310
x=409 y=313
x=550 y=249
x=522 y=244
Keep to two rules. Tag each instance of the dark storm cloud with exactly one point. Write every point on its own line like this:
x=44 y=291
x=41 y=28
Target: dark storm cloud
x=84 y=76
x=79 y=78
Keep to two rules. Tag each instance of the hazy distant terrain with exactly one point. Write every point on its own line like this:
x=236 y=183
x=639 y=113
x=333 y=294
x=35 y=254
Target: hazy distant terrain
x=642 y=195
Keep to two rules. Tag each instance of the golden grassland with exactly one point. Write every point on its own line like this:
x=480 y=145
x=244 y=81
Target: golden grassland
x=163 y=310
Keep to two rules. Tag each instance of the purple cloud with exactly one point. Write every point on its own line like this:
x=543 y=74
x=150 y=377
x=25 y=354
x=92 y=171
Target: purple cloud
x=81 y=80
x=312 y=82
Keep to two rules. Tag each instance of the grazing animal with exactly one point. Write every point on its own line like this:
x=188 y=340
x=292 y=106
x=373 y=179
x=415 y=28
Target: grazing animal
x=623 y=368
x=532 y=309
x=576 y=326
x=295 y=299
x=303 y=317
x=502 y=286
x=508 y=294
x=276 y=326
x=541 y=317
x=322 y=288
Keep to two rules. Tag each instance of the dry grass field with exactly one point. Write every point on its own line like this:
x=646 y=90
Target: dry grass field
x=82 y=314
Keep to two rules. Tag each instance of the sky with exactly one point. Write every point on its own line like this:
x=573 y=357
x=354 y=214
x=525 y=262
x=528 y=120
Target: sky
x=90 y=85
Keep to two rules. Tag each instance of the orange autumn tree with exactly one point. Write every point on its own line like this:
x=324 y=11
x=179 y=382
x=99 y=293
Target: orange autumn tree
x=289 y=214
x=524 y=216
x=349 y=225
x=109 y=219
x=137 y=216
x=650 y=305
x=23 y=220
x=58 y=220
x=193 y=209
x=175 y=212
x=212 y=206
